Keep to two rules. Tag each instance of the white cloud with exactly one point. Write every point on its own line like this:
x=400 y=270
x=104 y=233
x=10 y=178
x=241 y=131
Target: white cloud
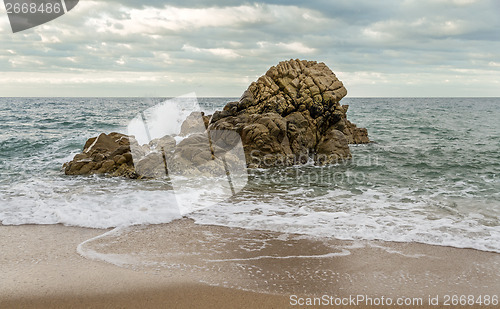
x=363 y=77
x=442 y=2
x=49 y=39
x=120 y=61
x=439 y=26
x=82 y=77
x=221 y=52
x=460 y=2
x=153 y=20
x=297 y=47
x=23 y=61
x=423 y=27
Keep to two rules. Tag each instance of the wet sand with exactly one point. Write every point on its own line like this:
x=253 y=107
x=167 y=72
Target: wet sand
x=184 y=265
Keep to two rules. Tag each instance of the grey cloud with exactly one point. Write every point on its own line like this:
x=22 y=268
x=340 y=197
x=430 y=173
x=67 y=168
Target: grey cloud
x=351 y=36
x=354 y=10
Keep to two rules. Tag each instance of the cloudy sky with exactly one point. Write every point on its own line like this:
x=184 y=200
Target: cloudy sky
x=392 y=48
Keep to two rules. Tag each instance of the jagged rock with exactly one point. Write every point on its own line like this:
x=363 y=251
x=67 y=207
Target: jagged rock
x=152 y=165
x=332 y=148
x=294 y=85
x=263 y=137
x=167 y=143
x=117 y=154
x=196 y=122
x=193 y=156
x=191 y=152
x=353 y=134
x=289 y=115
x=302 y=135
x=302 y=99
x=105 y=154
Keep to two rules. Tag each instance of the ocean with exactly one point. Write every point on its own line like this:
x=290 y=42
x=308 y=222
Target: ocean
x=431 y=176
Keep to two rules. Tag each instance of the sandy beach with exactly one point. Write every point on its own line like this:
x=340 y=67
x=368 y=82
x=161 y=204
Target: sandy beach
x=184 y=265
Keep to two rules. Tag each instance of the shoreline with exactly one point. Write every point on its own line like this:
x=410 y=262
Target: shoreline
x=41 y=268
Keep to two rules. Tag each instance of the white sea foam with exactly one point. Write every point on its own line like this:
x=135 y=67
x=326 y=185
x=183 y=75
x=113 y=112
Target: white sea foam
x=163 y=119
x=112 y=258
x=287 y=257
x=372 y=215
x=93 y=202
x=100 y=202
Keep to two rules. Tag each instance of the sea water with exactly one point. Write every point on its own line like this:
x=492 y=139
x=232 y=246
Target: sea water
x=432 y=174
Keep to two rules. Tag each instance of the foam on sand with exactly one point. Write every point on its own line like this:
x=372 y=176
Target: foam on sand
x=282 y=263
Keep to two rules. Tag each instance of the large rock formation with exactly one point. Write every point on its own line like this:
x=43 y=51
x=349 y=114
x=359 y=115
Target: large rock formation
x=288 y=116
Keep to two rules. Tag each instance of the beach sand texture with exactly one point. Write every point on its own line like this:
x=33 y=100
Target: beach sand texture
x=184 y=265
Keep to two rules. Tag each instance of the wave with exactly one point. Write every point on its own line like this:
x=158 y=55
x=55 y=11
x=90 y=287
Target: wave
x=437 y=185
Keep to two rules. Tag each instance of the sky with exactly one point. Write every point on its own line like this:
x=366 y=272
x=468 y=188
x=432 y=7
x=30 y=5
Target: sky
x=393 y=48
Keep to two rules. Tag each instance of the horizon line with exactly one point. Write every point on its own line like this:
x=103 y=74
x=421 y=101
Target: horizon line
x=233 y=97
